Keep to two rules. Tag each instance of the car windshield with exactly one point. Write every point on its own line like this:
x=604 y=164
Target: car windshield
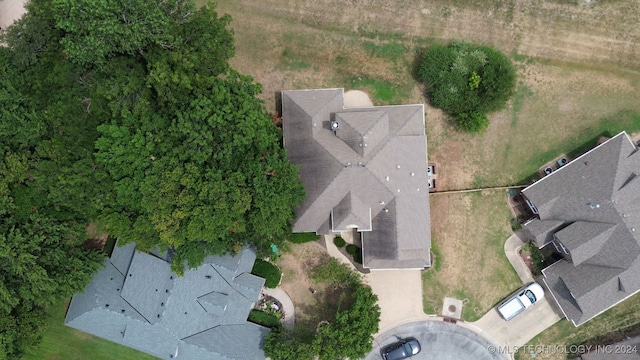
x=407 y=349
x=530 y=295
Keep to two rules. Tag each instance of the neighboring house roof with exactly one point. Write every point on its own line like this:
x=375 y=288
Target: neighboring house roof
x=370 y=174
x=138 y=302
x=590 y=208
x=628 y=349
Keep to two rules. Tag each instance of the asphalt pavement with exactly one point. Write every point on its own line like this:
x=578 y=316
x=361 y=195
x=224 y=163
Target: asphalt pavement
x=439 y=340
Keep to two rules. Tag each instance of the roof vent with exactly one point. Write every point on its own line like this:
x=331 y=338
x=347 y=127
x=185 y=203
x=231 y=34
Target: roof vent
x=594 y=206
x=335 y=125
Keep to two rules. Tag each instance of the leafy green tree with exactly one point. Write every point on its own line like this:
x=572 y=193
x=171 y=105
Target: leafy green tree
x=472 y=121
x=41 y=261
x=98 y=29
x=201 y=176
x=349 y=335
x=336 y=274
x=467 y=81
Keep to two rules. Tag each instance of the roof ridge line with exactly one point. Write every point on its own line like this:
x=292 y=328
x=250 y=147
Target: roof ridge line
x=576 y=159
x=391 y=135
x=228 y=283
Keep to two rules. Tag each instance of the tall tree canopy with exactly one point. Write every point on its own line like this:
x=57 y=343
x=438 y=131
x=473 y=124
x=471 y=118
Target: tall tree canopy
x=127 y=114
x=348 y=335
x=467 y=81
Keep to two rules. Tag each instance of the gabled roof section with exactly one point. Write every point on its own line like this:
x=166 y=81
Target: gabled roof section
x=121 y=257
x=591 y=206
x=363 y=131
x=376 y=156
x=351 y=212
x=214 y=302
x=543 y=230
x=147 y=285
x=154 y=310
x=585 y=240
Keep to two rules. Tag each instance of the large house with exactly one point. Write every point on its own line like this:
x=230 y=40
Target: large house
x=589 y=210
x=138 y=302
x=362 y=168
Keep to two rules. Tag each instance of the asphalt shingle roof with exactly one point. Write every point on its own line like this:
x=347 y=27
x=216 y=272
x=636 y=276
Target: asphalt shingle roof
x=591 y=208
x=378 y=156
x=157 y=312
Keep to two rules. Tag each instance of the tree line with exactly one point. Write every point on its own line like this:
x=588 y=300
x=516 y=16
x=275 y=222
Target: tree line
x=127 y=115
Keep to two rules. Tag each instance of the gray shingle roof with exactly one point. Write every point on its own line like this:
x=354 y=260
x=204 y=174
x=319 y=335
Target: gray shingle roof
x=155 y=311
x=376 y=158
x=591 y=208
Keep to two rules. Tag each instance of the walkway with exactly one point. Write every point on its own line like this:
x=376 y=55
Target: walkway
x=287 y=305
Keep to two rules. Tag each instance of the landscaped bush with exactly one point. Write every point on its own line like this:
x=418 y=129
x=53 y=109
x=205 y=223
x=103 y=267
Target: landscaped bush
x=264 y=319
x=357 y=257
x=467 y=81
x=355 y=252
x=268 y=271
x=352 y=249
x=299 y=238
x=339 y=242
x=335 y=273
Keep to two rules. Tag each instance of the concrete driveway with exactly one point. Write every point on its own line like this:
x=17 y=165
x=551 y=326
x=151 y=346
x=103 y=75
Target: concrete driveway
x=524 y=327
x=439 y=340
x=10 y=11
x=399 y=291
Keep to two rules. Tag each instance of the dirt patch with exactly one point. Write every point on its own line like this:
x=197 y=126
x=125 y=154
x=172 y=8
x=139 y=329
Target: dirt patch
x=526 y=258
x=96 y=239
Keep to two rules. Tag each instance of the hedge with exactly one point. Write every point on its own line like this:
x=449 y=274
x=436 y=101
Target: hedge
x=264 y=319
x=299 y=238
x=268 y=271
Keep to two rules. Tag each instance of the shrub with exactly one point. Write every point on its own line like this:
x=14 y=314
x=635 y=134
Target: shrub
x=467 y=81
x=339 y=242
x=268 y=271
x=264 y=319
x=357 y=257
x=336 y=274
x=472 y=122
x=352 y=249
x=299 y=238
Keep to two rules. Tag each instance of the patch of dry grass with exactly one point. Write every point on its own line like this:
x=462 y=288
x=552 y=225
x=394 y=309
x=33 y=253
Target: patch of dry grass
x=578 y=71
x=471 y=264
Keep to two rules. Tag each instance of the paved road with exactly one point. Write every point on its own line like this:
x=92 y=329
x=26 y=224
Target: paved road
x=439 y=340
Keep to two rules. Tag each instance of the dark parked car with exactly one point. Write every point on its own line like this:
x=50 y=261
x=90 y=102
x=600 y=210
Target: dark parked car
x=402 y=349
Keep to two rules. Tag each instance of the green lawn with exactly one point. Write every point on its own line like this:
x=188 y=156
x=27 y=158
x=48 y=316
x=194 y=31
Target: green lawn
x=64 y=343
x=468 y=247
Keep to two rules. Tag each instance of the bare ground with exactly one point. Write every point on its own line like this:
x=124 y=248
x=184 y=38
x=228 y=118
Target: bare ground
x=313 y=302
